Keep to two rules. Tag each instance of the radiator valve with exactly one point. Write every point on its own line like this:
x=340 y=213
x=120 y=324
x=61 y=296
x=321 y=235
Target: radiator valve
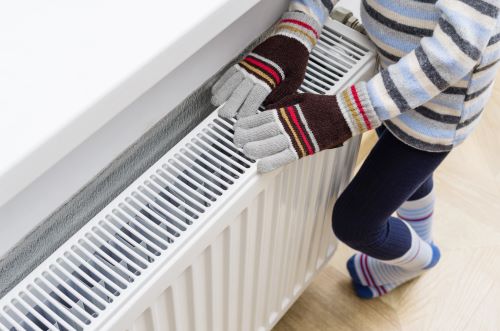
x=346 y=17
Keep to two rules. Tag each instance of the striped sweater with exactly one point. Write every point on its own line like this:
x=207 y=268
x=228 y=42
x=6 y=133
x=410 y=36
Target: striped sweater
x=438 y=61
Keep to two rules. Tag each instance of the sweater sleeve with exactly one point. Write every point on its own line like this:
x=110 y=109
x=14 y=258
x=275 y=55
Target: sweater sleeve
x=442 y=59
x=318 y=9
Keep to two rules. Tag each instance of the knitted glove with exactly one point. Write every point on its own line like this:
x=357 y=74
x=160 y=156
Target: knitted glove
x=274 y=69
x=304 y=124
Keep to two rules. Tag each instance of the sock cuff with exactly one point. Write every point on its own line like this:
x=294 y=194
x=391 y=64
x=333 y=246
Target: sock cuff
x=418 y=255
x=421 y=203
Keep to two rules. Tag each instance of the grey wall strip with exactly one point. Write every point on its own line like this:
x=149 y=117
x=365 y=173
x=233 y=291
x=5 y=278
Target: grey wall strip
x=75 y=213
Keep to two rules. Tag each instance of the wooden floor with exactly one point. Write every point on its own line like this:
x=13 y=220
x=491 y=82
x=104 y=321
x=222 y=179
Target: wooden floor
x=463 y=291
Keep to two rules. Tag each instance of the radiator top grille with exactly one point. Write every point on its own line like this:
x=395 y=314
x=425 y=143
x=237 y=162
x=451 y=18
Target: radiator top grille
x=140 y=226
x=331 y=60
x=99 y=265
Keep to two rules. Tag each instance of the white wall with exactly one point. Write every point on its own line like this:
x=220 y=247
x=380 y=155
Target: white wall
x=352 y=5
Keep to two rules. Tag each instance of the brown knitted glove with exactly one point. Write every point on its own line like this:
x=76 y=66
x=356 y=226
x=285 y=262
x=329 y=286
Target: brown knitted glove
x=304 y=124
x=273 y=70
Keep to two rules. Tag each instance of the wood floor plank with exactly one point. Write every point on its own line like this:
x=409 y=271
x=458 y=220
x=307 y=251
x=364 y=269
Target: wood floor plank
x=318 y=309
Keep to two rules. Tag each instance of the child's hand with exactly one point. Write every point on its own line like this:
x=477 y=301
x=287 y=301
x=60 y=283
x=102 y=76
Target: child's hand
x=300 y=125
x=273 y=70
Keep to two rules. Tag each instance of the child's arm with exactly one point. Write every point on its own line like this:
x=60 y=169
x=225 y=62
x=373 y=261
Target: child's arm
x=304 y=124
x=319 y=9
x=452 y=51
x=455 y=47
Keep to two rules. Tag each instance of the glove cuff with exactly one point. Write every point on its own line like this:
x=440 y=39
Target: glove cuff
x=357 y=109
x=299 y=26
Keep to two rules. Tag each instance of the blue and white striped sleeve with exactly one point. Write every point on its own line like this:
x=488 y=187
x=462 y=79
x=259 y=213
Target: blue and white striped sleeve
x=442 y=59
x=318 y=9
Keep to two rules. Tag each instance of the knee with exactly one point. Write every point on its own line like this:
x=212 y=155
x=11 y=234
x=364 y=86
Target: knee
x=355 y=226
x=345 y=223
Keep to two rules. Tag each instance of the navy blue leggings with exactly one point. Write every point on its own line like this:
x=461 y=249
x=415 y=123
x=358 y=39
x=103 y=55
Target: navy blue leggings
x=392 y=173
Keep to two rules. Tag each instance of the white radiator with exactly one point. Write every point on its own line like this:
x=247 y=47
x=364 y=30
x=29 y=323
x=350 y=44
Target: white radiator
x=200 y=241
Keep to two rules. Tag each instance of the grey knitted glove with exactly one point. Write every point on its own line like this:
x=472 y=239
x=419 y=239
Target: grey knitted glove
x=303 y=124
x=273 y=70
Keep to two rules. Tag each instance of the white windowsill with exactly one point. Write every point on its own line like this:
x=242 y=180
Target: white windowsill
x=67 y=68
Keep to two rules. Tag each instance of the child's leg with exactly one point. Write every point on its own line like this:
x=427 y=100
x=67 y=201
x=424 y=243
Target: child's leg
x=418 y=210
x=362 y=218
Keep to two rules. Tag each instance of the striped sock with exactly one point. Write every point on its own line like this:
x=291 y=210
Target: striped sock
x=373 y=278
x=418 y=214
